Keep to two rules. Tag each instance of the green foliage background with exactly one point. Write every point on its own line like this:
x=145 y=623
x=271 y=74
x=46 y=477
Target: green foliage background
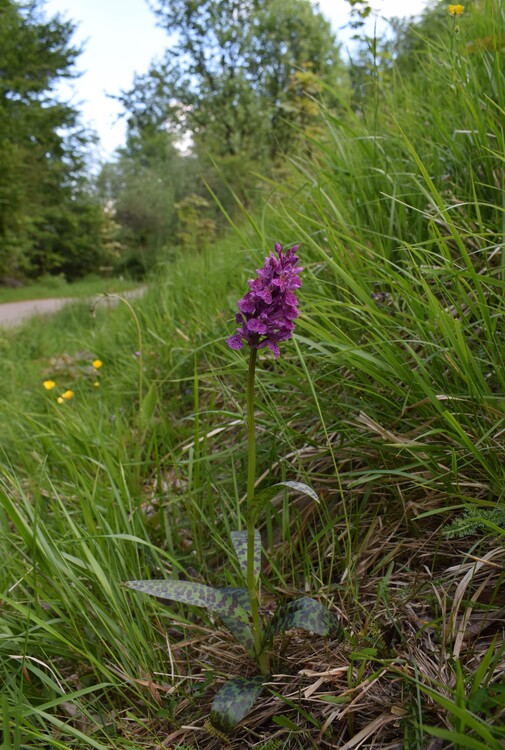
x=389 y=401
x=49 y=221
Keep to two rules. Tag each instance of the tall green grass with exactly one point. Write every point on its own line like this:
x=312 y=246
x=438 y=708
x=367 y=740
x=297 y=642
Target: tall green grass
x=389 y=402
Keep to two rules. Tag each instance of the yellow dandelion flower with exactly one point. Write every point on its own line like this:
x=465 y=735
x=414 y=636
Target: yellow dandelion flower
x=97 y=363
x=60 y=400
x=456 y=10
x=48 y=384
x=96 y=384
x=67 y=395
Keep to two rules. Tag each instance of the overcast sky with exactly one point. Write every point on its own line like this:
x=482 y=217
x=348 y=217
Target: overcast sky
x=120 y=39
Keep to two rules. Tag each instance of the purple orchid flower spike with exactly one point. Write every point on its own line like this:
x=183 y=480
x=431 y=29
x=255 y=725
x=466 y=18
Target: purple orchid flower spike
x=269 y=309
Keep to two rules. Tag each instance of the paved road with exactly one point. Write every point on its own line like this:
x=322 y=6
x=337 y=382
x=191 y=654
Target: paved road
x=12 y=313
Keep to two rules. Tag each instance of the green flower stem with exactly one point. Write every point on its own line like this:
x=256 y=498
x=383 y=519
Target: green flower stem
x=252 y=584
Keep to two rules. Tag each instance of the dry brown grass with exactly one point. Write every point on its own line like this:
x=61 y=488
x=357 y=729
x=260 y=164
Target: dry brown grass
x=413 y=606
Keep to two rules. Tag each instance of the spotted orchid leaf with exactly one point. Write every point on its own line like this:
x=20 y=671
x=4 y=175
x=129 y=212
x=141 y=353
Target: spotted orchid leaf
x=239 y=540
x=234 y=700
x=197 y=594
x=306 y=614
x=240 y=630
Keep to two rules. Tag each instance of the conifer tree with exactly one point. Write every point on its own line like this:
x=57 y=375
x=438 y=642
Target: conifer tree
x=49 y=220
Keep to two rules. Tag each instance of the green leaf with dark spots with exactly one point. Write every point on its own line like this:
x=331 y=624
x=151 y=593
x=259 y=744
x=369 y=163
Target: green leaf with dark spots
x=228 y=605
x=240 y=630
x=196 y=594
x=305 y=613
x=239 y=540
x=234 y=700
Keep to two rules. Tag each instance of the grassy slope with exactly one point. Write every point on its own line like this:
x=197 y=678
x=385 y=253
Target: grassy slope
x=389 y=402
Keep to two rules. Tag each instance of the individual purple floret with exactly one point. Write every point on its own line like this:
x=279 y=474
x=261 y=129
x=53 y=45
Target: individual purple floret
x=268 y=310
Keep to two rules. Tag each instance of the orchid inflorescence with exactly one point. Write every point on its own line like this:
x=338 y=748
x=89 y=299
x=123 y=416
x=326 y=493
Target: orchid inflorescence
x=269 y=309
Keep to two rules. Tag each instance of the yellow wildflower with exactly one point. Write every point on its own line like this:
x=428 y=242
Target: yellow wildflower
x=456 y=10
x=48 y=384
x=96 y=384
x=97 y=363
x=60 y=400
x=67 y=395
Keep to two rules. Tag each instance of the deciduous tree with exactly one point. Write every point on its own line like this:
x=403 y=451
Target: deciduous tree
x=227 y=74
